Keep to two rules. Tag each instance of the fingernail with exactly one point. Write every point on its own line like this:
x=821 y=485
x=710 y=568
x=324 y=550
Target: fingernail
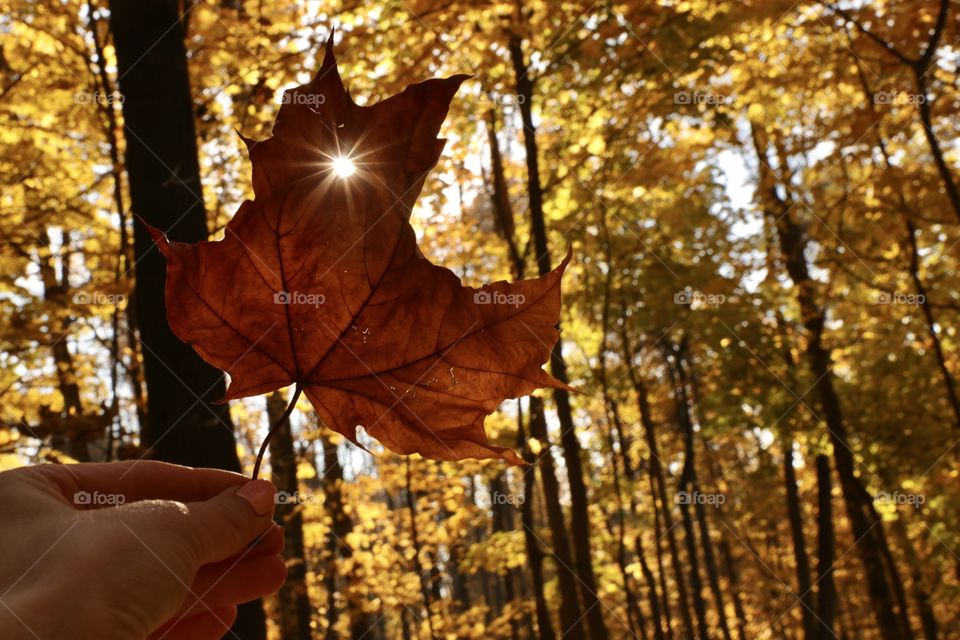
x=259 y=494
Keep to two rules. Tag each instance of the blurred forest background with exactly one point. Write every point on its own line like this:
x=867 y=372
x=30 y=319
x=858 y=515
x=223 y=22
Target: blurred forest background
x=760 y=319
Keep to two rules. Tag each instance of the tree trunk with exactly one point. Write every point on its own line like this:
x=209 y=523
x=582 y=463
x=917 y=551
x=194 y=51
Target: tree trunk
x=65 y=438
x=505 y=227
x=619 y=452
x=532 y=544
x=867 y=528
x=920 y=592
x=580 y=517
x=182 y=425
x=293 y=600
x=415 y=544
x=503 y=521
x=361 y=622
x=570 y=612
x=661 y=566
x=688 y=408
x=926 y=119
x=123 y=270
x=826 y=590
x=657 y=471
x=801 y=561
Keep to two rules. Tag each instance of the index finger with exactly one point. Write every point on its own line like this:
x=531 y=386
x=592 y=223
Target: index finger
x=139 y=480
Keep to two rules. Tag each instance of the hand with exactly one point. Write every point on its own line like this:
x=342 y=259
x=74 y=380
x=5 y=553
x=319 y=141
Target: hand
x=132 y=550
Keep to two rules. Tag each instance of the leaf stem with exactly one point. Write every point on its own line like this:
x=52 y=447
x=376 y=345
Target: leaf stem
x=274 y=428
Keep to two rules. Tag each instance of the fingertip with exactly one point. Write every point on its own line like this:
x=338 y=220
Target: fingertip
x=260 y=495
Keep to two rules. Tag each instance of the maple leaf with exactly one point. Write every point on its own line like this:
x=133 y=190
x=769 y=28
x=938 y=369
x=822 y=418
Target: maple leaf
x=319 y=282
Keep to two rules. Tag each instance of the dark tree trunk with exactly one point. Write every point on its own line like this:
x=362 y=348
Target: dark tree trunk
x=182 y=425
x=688 y=408
x=503 y=521
x=532 y=544
x=123 y=271
x=580 y=516
x=415 y=543
x=505 y=227
x=293 y=599
x=658 y=473
x=619 y=452
x=71 y=441
x=882 y=575
x=651 y=590
x=661 y=565
x=826 y=590
x=570 y=612
x=801 y=561
x=931 y=323
x=362 y=624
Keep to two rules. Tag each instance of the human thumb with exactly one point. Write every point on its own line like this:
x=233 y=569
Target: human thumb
x=227 y=523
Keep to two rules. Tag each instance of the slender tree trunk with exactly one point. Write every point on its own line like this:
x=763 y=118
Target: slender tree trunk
x=826 y=590
x=693 y=561
x=656 y=469
x=661 y=565
x=505 y=226
x=293 y=602
x=415 y=543
x=123 y=275
x=801 y=561
x=651 y=590
x=362 y=624
x=931 y=323
x=635 y=617
x=67 y=437
x=882 y=576
x=570 y=612
x=532 y=544
x=580 y=516
x=687 y=411
x=617 y=441
x=503 y=521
